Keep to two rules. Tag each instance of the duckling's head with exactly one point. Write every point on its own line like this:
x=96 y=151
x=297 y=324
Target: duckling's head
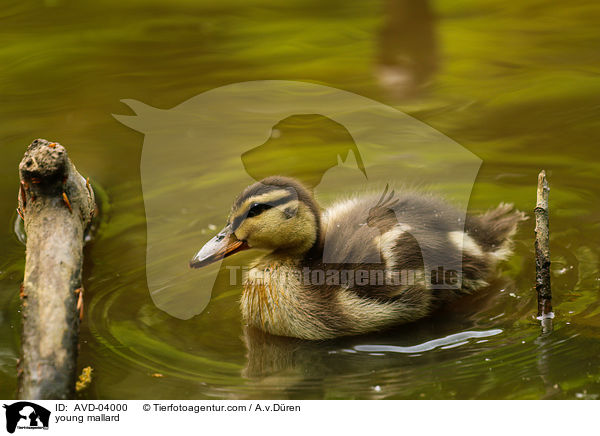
x=277 y=214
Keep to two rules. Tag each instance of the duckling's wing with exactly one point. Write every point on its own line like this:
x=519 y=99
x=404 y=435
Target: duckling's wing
x=348 y=238
x=418 y=234
x=399 y=233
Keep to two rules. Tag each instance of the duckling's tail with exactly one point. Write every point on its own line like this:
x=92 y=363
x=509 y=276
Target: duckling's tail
x=498 y=226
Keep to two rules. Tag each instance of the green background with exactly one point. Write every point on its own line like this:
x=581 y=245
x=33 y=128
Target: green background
x=518 y=84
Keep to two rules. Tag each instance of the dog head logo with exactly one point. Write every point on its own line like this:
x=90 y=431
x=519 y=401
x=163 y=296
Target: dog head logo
x=26 y=415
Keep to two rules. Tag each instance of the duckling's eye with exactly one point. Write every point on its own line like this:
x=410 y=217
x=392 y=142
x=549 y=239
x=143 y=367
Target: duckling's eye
x=258 y=208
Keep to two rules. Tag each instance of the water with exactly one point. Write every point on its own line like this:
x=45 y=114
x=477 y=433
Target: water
x=516 y=84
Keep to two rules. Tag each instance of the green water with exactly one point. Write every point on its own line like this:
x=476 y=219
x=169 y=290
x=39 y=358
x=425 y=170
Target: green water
x=517 y=84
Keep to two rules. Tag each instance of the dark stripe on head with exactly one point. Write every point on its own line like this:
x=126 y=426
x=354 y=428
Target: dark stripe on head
x=241 y=217
x=277 y=183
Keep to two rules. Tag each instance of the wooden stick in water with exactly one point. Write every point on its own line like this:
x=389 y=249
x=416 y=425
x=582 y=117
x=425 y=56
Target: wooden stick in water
x=542 y=248
x=57 y=206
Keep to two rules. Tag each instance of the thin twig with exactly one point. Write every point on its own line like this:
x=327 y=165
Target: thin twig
x=542 y=249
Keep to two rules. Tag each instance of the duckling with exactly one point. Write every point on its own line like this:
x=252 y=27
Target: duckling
x=293 y=290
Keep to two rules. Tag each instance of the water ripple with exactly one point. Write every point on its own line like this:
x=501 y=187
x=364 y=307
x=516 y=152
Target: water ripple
x=446 y=342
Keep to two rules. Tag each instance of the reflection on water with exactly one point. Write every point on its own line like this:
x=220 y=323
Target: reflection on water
x=445 y=343
x=407 y=47
x=512 y=90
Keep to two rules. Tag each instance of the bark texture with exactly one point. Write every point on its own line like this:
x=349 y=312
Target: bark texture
x=542 y=248
x=57 y=206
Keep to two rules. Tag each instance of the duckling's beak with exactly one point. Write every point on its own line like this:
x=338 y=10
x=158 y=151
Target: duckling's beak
x=223 y=245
